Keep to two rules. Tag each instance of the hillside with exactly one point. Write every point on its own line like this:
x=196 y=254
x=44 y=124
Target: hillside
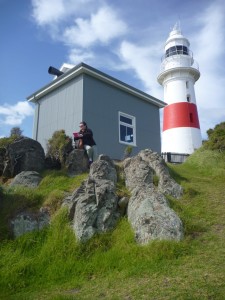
x=51 y=264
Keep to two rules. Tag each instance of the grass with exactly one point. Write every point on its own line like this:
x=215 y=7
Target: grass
x=54 y=186
x=51 y=264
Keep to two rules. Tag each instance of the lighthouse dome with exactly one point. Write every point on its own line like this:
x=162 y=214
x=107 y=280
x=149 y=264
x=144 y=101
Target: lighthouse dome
x=176 y=38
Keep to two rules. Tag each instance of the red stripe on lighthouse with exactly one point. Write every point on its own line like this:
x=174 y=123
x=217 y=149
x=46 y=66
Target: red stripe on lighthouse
x=182 y=114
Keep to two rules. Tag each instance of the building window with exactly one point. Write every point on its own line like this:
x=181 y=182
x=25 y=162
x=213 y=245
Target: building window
x=188 y=98
x=127 y=129
x=187 y=84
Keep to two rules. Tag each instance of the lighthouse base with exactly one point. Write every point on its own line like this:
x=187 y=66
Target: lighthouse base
x=175 y=158
x=181 y=140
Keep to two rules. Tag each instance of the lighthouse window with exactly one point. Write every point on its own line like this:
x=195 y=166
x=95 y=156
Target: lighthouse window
x=127 y=129
x=188 y=98
x=178 y=49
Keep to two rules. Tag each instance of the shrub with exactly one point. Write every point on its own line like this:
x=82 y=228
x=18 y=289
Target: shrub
x=16 y=131
x=59 y=146
x=5 y=141
x=216 y=138
x=127 y=152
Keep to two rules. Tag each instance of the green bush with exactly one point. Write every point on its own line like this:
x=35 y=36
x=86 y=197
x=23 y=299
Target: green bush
x=216 y=138
x=5 y=141
x=59 y=146
x=127 y=151
x=15 y=133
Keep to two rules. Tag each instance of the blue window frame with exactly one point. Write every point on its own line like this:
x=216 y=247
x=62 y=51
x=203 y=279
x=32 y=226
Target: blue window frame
x=127 y=129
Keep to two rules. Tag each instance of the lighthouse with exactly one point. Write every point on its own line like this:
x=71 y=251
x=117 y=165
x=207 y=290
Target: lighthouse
x=179 y=71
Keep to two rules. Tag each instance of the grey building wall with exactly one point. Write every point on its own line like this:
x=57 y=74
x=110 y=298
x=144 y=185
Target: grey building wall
x=60 y=109
x=102 y=103
x=98 y=103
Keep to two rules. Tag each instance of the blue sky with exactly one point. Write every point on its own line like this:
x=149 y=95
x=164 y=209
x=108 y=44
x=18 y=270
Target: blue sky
x=123 y=38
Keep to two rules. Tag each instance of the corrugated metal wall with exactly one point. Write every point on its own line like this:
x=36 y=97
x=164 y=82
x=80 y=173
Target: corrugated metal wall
x=101 y=106
x=64 y=108
x=60 y=109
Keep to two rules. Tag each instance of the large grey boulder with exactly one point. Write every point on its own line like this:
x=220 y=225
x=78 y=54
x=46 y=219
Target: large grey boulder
x=167 y=185
x=77 y=162
x=2 y=158
x=148 y=210
x=26 y=222
x=29 y=179
x=24 y=154
x=152 y=218
x=93 y=207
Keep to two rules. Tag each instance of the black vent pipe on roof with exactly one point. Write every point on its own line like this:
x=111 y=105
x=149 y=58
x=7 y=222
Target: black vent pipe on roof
x=54 y=71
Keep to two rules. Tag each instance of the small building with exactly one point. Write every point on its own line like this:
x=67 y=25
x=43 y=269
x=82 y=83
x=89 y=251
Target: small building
x=118 y=114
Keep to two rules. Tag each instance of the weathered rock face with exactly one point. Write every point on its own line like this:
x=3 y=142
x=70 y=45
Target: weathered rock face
x=52 y=164
x=2 y=158
x=24 y=154
x=94 y=206
x=27 y=178
x=167 y=185
x=148 y=210
x=77 y=162
x=151 y=218
x=26 y=222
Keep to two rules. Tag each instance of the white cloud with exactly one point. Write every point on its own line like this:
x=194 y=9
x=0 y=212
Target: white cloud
x=98 y=29
x=77 y=55
x=50 y=12
x=101 y=27
x=15 y=114
x=43 y=11
x=144 y=61
x=209 y=52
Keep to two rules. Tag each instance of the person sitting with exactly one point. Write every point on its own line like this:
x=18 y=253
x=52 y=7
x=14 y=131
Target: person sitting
x=86 y=141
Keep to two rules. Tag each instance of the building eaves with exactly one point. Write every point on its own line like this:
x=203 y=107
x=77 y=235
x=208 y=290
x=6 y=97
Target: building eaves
x=83 y=68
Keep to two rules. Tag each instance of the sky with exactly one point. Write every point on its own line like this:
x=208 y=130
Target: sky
x=123 y=38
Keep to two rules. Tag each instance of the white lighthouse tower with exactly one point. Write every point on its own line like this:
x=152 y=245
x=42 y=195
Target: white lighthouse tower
x=181 y=131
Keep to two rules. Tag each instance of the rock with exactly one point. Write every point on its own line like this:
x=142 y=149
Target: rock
x=148 y=210
x=52 y=163
x=167 y=185
x=24 y=154
x=104 y=169
x=94 y=205
x=137 y=173
x=151 y=218
x=27 y=221
x=2 y=158
x=27 y=178
x=77 y=162
x=95 y=208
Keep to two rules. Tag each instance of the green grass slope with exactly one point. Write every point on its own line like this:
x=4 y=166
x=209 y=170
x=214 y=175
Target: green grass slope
x=51 y=264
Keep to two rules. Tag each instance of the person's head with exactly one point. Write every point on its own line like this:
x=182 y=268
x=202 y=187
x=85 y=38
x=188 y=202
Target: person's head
x=83 y=125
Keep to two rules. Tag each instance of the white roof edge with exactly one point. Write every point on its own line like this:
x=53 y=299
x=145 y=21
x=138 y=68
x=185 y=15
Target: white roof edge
x=82 y=68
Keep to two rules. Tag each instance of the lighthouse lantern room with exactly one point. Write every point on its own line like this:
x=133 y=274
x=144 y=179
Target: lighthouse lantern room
x=181 y=133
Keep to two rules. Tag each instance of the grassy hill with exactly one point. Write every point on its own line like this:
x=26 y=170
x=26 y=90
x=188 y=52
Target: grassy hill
x=51 y=264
